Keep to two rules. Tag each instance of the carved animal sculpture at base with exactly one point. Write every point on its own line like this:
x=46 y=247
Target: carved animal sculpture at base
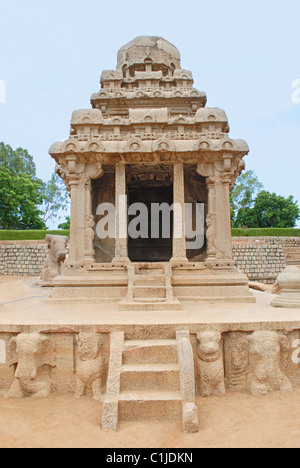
x=265 y=373
x=33 y=373
x=91 y=365
x=57 y=246
x=210 y=363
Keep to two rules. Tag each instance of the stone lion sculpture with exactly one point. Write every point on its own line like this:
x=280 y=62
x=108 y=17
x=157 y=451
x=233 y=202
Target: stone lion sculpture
x=33 y=368
x=265 y=352
x=57 y=246
x=91 y=365
x=210 y=363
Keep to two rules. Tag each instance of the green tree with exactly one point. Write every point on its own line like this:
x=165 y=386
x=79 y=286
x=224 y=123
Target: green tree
x=16 y=161
x=48 y=198
x=66 y=224
x=243 y=196
x=56 y=198
x=270 y=210
x=20 y=196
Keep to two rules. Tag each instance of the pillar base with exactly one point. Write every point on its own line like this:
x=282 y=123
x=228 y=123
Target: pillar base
x=89 y=261
x=179 y=260
x=120 y=260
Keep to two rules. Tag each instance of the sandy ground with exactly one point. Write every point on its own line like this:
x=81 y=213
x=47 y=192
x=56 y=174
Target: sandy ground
x=10 y=279
x=234 y=421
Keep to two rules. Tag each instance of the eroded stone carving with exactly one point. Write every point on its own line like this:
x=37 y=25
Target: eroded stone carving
x=57 y=246
x=236 y=360
x=91 y=365
x=265 y=357
x=33 y=371
x=210 y=363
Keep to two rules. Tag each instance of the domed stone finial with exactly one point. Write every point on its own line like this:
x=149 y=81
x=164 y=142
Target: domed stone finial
x=289 y=283
x=148 y=49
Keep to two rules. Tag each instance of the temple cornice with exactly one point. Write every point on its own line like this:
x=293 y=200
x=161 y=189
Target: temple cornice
x=163 y=148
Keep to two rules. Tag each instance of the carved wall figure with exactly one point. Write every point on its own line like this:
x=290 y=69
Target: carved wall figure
x=57 y=246
x=236 y=360
x=91 y=365
x=265 y=358
x=33 y=371
x=210 y=234
x=210 y=363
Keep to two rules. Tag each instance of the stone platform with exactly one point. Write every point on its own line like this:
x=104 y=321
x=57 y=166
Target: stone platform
x=140 y=363
x=23 y=307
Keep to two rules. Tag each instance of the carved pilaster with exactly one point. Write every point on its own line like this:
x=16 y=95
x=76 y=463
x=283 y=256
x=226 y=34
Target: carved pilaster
x=218 y=176
x=93 y=171
x=78 y=176
x=211 y=220
x=121 y=245
x=179 y=239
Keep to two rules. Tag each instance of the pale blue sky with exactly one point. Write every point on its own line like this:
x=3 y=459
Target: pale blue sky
x=244 y=55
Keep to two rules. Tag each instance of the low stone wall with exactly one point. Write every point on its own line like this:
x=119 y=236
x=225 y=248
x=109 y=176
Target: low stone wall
x=284 y=242
x=259 y=260
x=22 y=258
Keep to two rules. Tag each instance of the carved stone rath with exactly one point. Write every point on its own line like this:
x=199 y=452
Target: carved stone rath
x=150 y=139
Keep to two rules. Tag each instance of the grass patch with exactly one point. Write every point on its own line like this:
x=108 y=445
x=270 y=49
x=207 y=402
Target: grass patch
x=30 y=235
x=236 y=232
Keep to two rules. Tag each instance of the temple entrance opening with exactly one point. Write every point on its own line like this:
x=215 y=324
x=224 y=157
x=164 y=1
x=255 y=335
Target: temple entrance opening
x=155 y=241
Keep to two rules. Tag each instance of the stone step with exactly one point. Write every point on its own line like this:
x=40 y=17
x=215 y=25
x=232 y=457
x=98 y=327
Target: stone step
x=154 y=377
x=149 y=305
x=150 y=405
x=292 y=256
x=293 y=260
x=149 y=271
x=150 y=280
x=150 y=351
x=149 y=292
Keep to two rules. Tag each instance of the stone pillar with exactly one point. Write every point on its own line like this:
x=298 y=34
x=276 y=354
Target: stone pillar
x=79 y=175
x=89 y=254
x=219 y=217
x=92 y=171
x=211 y=219
x=224 y=215
x=121 y=245
x=179 y=240
x=77 y=228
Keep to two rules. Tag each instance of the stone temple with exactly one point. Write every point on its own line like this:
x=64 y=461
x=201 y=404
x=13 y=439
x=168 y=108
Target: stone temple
x=147 y=320
x=149 y=138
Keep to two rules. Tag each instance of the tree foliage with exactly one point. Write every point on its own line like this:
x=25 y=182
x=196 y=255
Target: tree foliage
x=27 y=202
x=17 y=161
x=20 y=196
x=56 y=198
x=66 y=224
x=252 y=207
x=270 y=210
x=243 y=195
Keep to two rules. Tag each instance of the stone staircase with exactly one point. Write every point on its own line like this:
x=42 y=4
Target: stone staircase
x=153 y=382
x=150 y=288
x=292 y=255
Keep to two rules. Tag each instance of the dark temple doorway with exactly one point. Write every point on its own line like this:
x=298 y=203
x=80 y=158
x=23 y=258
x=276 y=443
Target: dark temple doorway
x=151 y=249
